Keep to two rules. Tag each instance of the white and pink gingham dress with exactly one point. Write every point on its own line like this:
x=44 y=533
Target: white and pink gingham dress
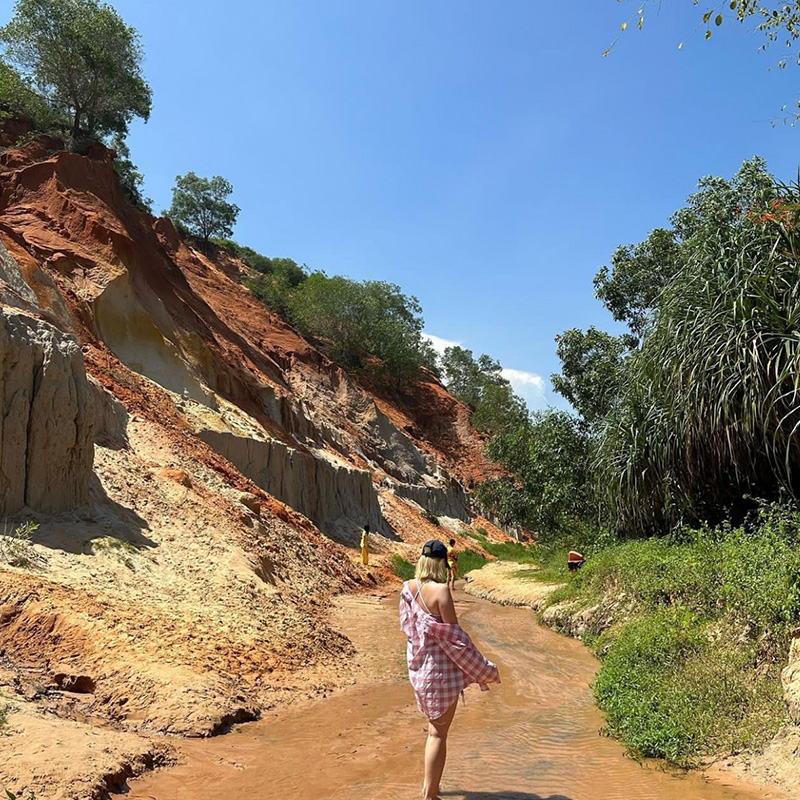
x=442 y=658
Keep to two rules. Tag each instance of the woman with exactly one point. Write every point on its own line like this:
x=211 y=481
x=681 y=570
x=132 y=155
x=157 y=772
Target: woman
x=442 y=659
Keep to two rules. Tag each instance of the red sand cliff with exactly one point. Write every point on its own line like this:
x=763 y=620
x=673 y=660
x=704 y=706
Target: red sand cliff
x=233 y=466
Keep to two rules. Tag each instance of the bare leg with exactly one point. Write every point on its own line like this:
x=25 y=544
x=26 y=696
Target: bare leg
x=436 y=751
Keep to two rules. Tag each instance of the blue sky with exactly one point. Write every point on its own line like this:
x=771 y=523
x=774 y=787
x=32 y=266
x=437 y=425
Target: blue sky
x=480 y=154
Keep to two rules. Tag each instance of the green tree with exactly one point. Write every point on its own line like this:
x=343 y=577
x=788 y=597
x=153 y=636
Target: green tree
x=630 y=289
x=638 y=273
x=82 y=57
x=479 y=383
x=201 y=206
x=466 y=377
x=708 y=411
x=500 y=409
x=129 y=176
x=18 y=98
x=352 y=320
x=592 y=366
x=552 y=490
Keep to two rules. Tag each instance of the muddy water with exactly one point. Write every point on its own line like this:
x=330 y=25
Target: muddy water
x=534 y=737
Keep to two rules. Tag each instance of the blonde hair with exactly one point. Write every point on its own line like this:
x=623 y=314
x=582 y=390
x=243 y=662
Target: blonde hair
x=431 y=569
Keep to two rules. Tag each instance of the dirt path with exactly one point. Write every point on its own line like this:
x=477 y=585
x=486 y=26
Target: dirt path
x=534 y=737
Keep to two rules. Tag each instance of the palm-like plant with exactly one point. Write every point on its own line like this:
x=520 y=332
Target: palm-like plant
x=711 y=408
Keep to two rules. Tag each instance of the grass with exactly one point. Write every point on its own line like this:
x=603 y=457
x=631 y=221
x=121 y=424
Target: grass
x=123 y=550
x=402 y=568
x=469 y=560
x=704 y=621
x=676 y=686
x=505 y=551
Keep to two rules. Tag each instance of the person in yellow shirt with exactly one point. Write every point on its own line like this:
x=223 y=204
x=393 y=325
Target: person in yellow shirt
x=365 y=546
x=452 y=564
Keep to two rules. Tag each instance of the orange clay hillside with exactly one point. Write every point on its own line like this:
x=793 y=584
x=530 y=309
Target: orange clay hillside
x=199 y=474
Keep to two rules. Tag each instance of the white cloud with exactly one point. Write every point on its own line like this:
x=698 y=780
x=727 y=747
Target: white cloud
x=439 y=344
x=529 y=386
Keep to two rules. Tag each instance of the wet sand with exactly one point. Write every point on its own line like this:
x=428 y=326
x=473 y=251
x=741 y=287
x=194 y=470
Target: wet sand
x=534 y=737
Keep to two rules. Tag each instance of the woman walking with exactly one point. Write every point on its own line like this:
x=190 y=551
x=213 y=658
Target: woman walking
x=442 y=660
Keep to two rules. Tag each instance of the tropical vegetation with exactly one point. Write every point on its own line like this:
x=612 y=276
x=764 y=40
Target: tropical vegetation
x=81 y=58
x=200 y=206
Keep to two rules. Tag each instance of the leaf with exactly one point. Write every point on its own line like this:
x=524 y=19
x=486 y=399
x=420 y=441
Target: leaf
x=680 y=46
x=718 y=20
x=708 y=34
x=624 y=25
x=707 y=16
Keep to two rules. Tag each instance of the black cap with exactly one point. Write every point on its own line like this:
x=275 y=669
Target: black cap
x=434 y=549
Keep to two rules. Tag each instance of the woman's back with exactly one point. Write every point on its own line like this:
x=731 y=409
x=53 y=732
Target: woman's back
x=435 y=598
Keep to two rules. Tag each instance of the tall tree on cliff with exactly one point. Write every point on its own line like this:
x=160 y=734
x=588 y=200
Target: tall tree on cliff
x=83 y=58
x=200 y=205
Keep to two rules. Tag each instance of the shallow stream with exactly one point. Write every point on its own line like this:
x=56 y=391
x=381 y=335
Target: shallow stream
x=534 y=737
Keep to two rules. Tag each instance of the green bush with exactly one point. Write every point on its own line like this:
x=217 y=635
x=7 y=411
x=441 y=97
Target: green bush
x=674 y=686
x=18 y=98
x=706 y=620
x=552 y=492
x=350 y=320
x=402 y=568
x=432 y=518
x=16 y=546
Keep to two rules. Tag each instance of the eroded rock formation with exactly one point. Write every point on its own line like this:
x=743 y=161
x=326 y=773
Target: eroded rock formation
x=215 y=470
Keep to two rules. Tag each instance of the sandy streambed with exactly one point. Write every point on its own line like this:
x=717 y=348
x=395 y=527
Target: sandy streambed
x=534 y=737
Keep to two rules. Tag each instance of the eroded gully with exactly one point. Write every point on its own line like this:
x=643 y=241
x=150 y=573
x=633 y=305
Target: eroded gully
x=534 y=737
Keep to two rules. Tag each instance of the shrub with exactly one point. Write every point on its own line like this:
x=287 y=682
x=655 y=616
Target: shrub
x=551 y=461
x=118 y=548
x=16 y=546
x=673 y=686
x=351 y=319
x=704 y=622
x=276 y=283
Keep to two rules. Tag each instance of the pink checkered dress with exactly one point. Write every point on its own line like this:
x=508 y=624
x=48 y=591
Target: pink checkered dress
x=442 y=659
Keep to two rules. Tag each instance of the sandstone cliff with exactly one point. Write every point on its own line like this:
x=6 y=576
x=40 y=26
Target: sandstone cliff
x=199 y=473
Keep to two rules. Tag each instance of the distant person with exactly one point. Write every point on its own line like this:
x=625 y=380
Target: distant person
x=452 y=564
x=365 y=546
x=575 y=561
x=442 y=660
